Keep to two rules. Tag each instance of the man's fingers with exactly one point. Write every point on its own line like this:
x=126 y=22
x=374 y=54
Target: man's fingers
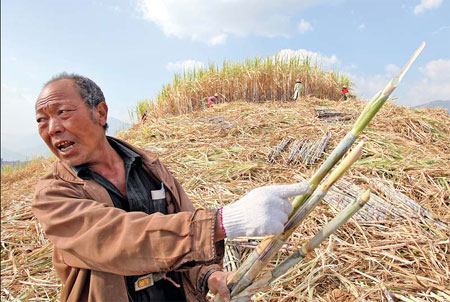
x=291 y=190
x=278 y=228
x=285 y=205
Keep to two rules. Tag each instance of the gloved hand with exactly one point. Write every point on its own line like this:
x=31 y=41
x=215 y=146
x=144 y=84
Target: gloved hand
x=263 y=211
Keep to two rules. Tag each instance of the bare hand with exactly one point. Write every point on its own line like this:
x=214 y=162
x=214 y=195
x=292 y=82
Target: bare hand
x=217 y=284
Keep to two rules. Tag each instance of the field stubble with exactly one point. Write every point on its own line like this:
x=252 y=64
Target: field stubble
x=221 y=153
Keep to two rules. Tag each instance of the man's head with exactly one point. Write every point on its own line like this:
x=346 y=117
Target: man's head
x=89 y=91
x=71 y=113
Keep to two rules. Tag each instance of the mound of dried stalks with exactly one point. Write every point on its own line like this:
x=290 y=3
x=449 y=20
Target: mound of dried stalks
x=398 y=250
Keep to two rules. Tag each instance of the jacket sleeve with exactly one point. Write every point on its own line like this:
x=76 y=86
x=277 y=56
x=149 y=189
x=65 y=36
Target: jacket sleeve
x=95 y=236
x=196 y=275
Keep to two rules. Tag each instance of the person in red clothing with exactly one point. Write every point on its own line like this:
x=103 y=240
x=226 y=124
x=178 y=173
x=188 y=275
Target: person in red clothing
x=212 y=100
x=345 y=92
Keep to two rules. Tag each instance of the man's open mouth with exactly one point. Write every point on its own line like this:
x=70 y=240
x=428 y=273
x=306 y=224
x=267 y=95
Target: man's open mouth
x=65 y=146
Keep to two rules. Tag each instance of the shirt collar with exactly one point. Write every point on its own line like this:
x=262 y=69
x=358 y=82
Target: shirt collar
x=129 y=157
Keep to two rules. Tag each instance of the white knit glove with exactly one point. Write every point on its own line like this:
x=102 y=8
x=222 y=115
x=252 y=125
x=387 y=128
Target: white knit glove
x=263 y=211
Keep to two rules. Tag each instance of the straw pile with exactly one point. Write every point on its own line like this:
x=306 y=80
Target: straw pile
x=219 y=154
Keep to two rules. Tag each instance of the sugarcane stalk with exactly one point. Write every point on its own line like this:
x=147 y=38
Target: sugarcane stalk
x=361 y=123
x=308 y=247
x=268 y=248
x=365 y=117
x=322 y=190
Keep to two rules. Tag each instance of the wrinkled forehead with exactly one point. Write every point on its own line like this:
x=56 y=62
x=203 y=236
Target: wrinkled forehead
x=57 y=92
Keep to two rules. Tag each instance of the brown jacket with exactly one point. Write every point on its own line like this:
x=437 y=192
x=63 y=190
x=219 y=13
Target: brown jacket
x=96 y=244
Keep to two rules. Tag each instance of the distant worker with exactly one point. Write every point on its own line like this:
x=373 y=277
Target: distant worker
x=345 y=92
x=212 y=100
x=298 y=89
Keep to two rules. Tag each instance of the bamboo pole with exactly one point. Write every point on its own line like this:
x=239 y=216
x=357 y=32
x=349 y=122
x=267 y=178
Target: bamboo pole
x=274 y=243
x=308 y=247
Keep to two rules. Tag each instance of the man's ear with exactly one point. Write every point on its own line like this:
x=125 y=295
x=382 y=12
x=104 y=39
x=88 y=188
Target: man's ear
x=101 y=112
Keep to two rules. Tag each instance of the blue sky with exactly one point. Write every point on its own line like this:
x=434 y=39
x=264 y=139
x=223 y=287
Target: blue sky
x=132 y=47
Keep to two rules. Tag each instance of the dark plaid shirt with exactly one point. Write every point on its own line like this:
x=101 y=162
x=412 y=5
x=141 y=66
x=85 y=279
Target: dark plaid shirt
x=139 y=185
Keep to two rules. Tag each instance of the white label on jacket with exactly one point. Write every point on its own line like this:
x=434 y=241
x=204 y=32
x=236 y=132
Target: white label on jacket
x=158 y=194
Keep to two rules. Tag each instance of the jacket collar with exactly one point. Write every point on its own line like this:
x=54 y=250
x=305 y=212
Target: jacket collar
x=67 y=173
x=148 y=157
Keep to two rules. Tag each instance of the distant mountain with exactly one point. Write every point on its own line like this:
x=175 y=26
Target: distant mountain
x=10 y=155
x=22 y=147
x=436 y=104
x=14 y=163
x=115 y=126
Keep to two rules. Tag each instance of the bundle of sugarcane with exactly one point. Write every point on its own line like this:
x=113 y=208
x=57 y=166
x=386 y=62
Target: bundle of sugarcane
x=303 y=205
x=274 y=153
x=270 y=246
x=297 y=256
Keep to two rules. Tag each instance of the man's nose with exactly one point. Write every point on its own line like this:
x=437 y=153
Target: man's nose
x=55 y=126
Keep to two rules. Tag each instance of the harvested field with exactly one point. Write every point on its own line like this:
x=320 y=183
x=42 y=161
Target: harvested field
x=397 y=250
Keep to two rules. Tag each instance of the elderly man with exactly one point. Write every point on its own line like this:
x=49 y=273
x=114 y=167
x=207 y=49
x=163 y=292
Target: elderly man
x=122 y=226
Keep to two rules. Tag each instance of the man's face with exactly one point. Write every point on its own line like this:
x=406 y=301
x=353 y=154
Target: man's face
x=71 y=130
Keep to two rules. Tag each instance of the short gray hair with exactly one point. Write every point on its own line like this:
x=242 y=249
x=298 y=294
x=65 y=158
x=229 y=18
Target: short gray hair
x=90 y=92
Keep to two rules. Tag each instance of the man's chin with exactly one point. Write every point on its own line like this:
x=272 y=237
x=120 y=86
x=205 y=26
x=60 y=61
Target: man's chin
x=71 y=160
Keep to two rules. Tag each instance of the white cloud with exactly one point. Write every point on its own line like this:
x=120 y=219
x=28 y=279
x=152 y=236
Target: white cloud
x=441 y=29
x=284 y=54
x=435 y=84
x=426 y=5
x=362 y=27
x=304 y=26
x=392 y=70
x=437 y=69
x=219 y=39
x=315 y=57
x=366 y=86
x=213 y=22
x=185 y=66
